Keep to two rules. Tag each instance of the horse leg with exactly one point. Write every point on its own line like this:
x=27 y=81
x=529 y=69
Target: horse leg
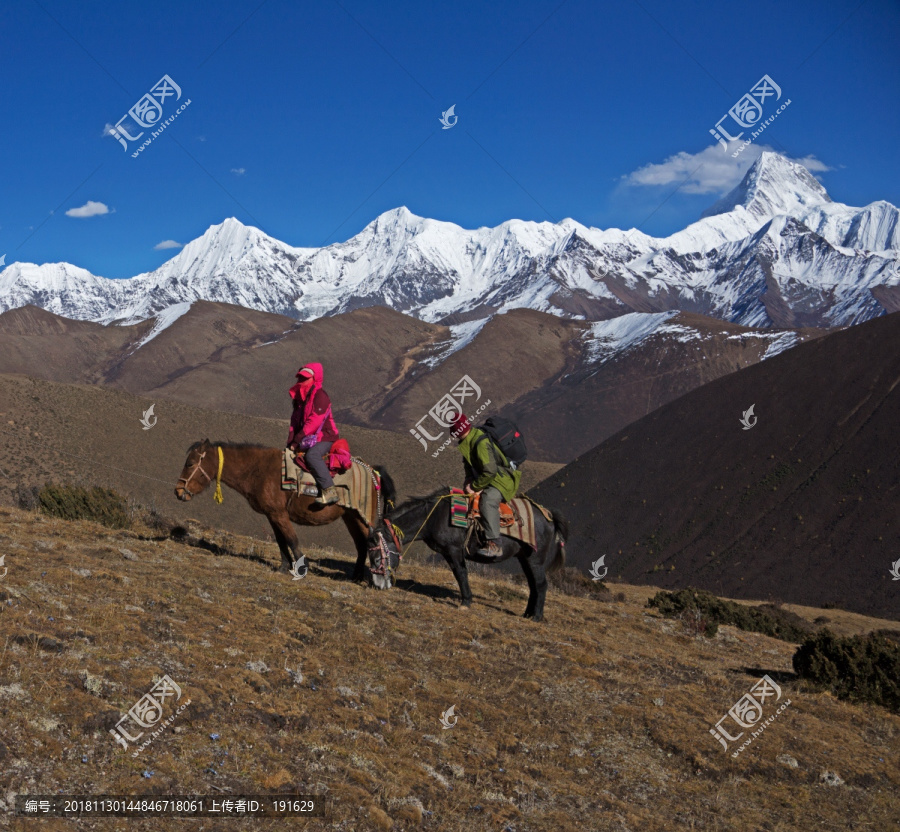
x=287 y=541
x=536 y=575
x=461 y=573
x=359 y=531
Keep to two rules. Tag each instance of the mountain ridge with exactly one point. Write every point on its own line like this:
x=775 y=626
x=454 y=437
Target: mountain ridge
x=839 y=269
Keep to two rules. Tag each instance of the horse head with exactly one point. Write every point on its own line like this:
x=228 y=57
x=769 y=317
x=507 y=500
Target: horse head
x=195 y=476
x=384 y=556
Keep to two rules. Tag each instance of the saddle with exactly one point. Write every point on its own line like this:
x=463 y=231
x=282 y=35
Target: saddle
x=507 y=513
x=338 y=458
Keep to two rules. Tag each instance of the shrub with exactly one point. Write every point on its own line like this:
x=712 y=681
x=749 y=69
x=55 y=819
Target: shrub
x=72 y=502
x=767 y=619
x=858 y=668
x=695 y=623
x=571 y=581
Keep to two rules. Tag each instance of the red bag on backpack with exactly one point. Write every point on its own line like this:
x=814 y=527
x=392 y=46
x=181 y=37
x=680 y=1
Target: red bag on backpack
x=339 y=459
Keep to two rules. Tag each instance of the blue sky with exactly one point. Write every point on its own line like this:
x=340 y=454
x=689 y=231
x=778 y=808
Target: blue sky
x=308 y=120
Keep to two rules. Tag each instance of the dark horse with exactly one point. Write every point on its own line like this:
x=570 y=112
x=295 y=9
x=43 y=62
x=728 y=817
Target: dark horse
x=254 y=472
x=437 y=533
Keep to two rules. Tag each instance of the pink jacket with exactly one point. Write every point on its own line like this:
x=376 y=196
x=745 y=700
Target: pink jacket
x=312 y=412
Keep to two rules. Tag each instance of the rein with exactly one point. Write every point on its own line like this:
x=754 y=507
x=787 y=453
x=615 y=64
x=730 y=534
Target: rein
x=198 y=467
x=436 y=503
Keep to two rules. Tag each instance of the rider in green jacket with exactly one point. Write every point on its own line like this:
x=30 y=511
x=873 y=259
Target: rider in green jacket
x=487 y=471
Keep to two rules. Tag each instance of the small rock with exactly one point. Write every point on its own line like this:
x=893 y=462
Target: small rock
x=83 y=573
x=659 y=701
x=257 y=667
x=128 y=554
x=179 y=729
x=787 y=760
x=830 y=778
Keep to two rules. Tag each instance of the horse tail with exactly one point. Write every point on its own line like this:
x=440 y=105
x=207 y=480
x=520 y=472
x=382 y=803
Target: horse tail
x=560 y=536
x=388 y=489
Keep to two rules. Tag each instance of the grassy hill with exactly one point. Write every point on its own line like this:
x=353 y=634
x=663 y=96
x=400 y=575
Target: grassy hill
x=596 y=720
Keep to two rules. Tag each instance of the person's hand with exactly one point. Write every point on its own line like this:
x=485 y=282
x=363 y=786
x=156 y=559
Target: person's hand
x=468 y=488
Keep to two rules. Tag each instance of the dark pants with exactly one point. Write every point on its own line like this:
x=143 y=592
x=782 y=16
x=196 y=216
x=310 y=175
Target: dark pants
x=315 y=461
x=489 y=506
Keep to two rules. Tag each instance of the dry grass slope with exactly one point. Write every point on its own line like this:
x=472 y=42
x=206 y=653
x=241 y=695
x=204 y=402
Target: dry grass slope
x=596 y=720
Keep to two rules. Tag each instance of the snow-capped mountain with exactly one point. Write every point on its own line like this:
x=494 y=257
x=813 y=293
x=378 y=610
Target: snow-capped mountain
x=776 y=251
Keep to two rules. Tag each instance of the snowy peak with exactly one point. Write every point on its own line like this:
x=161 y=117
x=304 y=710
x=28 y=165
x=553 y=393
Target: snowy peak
x=773 y=185
x=775 y=251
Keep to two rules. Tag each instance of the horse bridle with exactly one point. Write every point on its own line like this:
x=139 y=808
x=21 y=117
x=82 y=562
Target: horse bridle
x=384 y=566
x=190 y=476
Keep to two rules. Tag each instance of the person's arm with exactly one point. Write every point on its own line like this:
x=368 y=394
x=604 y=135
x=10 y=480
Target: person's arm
x=321 y=405
x=486 y=462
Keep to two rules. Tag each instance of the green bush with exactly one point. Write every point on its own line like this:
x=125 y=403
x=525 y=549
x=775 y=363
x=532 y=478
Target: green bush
x=72 y=502
x=767 y=619
x=859 y=668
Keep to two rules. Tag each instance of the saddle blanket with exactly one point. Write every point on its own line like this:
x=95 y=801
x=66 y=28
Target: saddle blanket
x=358 y=488
x=522 y=508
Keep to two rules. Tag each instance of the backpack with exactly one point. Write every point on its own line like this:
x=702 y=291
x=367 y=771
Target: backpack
x=506 y=436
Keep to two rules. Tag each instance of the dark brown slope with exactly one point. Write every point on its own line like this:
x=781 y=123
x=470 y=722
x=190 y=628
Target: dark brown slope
x=591 y=401
x=512 y=355
x=88 y=434
x=39 y=343
x=538 y=368
x=363 y=352
x=803 y=507
x=206 y=334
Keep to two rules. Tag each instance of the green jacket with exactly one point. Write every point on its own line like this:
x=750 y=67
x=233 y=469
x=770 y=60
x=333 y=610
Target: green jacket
x=486 y=465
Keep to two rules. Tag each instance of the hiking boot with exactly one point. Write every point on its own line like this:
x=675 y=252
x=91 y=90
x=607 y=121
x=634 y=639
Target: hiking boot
x=328 y=497
x=493 y=549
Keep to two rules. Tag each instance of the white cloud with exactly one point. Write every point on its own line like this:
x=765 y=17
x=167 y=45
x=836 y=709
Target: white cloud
x=239 y=171
x=709 y=171
x=89 y=209
x=166 y=244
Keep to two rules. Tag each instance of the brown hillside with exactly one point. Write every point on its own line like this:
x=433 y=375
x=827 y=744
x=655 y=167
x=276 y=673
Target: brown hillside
x=38 y=343
x=531 y=365
x=58 y=432
x=206 y=334
x=587 y=403
x=803 y=507
x=596 y=721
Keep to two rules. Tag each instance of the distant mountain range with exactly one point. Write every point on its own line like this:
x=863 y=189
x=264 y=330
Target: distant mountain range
x=775 y=252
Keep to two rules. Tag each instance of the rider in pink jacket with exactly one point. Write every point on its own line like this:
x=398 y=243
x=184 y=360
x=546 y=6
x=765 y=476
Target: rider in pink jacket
x=313 y=429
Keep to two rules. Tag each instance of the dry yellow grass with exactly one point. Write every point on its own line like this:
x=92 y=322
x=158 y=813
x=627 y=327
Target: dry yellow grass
x=597 y=719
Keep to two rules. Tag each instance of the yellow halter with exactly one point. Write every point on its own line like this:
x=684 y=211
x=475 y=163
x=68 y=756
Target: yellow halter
x=218 y=495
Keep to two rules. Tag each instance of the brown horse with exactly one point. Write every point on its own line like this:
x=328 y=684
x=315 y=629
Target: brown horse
x=254 y=471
